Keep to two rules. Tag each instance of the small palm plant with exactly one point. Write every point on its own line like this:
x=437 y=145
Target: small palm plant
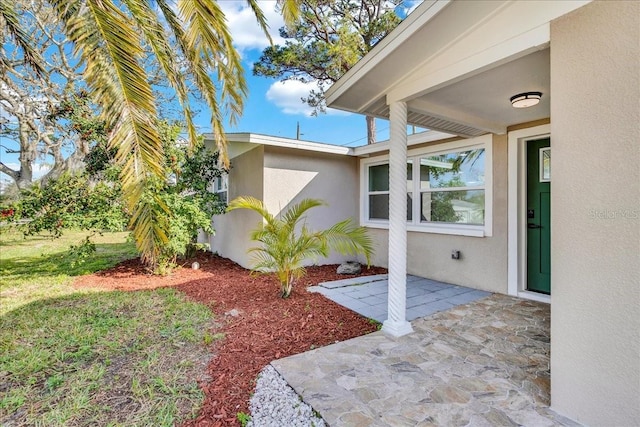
x=287 y=243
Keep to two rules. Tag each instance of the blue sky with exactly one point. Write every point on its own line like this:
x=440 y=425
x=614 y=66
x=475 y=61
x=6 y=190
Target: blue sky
x=273 y=107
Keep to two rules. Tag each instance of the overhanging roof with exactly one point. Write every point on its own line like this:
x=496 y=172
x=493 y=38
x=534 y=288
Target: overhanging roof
x=456 y=64
x=254 y=139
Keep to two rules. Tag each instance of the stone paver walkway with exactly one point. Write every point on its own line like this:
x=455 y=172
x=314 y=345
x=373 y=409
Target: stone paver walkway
x=481 y=364
x=367 y=295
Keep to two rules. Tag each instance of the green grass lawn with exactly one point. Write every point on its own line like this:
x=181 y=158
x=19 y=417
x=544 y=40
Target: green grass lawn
x=38 y=267
x=70 y=357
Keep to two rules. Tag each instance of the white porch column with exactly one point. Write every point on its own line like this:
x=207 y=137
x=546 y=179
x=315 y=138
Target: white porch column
x=396 y=324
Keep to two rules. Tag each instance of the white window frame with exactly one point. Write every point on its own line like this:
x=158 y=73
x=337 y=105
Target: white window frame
x=223 y=180
x=485 y=230
x=374 y=193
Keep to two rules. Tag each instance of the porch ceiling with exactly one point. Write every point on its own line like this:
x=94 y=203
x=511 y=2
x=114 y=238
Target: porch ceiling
x=457 y=64
x=481 y=103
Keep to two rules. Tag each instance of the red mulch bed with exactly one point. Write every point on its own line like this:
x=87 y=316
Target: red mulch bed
x=267 y=328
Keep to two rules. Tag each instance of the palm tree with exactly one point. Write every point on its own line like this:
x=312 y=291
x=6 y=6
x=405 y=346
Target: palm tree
x=110 y=37
x=286 y=243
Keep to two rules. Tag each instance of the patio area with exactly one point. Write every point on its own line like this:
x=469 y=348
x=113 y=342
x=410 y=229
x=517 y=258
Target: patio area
x=367 y=295
x=484 y=363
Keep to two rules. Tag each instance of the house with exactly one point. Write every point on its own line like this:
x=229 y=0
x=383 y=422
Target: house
x=281 y=172
x=563 y=229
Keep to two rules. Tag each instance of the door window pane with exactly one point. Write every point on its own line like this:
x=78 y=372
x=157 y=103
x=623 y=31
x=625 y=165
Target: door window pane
x=545 y=164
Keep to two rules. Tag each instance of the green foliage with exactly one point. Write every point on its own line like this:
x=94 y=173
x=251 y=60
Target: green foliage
x=79 y=114
x=100 y=162
x=287 y=241
x=374 y=322
x=180 y=203
x=183 y=200
x=116 y=44
x=187 y=215
x=243 y=418
x=82 y=251
x=327 y=40
x=71 y=201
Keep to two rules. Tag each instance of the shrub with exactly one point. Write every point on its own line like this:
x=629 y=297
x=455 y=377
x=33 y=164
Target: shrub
x=286 y=243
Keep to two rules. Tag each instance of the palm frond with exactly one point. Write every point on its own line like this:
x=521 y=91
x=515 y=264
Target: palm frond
x=290 y=10
x=9 y=19
x=147 y=20
x=149 y=225
x=251 y=203
x=349 y=239
x=208 y=47
x=262 y=20
x=287 y=244
x=295 y=212
x=108 y=43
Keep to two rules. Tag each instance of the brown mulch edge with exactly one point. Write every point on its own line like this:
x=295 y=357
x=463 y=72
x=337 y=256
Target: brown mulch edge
x=266 y=328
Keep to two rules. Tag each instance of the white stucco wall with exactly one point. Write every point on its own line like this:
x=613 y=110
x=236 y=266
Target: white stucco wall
x=293 y=175
x=231 y=239
x=484 y=259
x=282 y=177
x=595 y=209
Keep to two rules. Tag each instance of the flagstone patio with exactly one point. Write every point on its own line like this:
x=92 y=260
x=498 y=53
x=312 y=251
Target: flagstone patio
x=484 y=363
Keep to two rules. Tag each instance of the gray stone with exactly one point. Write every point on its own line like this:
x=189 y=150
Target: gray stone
x=482 y=364
x=233 y=312
x=350 y=267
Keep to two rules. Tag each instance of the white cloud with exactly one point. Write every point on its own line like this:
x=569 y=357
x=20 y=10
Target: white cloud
x=244 y=28
x=288 y=96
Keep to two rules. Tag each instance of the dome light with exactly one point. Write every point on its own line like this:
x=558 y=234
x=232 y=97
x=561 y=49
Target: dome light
x=526 y=99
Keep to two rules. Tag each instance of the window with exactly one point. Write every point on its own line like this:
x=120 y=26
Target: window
x=378 y=193
x=221 y=187
x=448 y=190
x=545 y=164
x=452 y=187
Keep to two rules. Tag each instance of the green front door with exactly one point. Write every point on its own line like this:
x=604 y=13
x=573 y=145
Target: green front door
x=539 y=216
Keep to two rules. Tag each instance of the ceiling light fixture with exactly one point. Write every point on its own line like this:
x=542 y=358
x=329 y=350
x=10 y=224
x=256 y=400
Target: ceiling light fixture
x=526 y=99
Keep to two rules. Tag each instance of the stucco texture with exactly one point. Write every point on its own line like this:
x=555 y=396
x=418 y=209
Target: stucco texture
x=483 y=264
x=231 y=239
x=595 y=302
x=293 y=175
x=282 y=177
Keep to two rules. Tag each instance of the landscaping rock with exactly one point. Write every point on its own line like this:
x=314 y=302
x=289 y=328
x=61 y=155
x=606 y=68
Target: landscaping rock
x=275 y=404
x=350 y=267
x=233 y=313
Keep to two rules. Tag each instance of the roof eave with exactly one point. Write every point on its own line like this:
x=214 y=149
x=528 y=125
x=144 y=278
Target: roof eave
x=418 y=18
x=276 y=141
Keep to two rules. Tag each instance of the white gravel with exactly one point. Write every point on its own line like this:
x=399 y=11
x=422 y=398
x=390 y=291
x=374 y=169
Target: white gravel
x=275 y=404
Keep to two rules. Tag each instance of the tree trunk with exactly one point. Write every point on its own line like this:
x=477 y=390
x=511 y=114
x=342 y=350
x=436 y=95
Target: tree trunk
x=371 y=130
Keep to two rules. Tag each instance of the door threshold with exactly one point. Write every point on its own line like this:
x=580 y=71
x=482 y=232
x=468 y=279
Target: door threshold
x=535 y=296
